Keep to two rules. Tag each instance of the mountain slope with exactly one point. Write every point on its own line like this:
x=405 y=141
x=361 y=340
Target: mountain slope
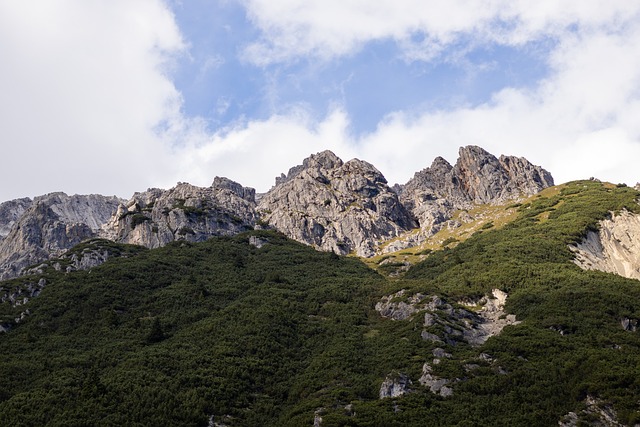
x=260 y=330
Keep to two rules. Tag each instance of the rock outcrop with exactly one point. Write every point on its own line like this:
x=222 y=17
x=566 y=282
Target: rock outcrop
x=49 y=226
x=444 y=323
x=395 y=385
x=156 y=217
x=478 y=177
x=36 y=231
x=597 y=413
x=335 y=206
x=615 y=248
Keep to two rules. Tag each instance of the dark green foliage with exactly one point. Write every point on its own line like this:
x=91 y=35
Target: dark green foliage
x=138 y=218
x=269 y=336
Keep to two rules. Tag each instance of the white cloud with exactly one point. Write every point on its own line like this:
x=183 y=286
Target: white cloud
x=87 y=103
x=83 y=84
x=580 y=120
x=255 y=153
x=332 y=28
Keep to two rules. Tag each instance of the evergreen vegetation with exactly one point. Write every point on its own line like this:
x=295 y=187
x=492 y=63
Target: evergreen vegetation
x=272 y=336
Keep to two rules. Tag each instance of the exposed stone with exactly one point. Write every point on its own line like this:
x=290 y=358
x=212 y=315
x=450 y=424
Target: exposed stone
x=486 y=320
x=49 y=226
x=335 y=206
x=395 y=385
x=596 y=414
x=397 y=307
x=478 y=177
x=317 y=417
x=492 y=319
x=440 y=353
x=615 y=248
x=428 y=336
x=257 y=241
x=435 y=384
x=10 y=213
x=186 y=212
x=629 y=324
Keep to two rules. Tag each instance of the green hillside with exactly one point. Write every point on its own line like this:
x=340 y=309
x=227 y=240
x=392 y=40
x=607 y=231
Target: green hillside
x=277 y=335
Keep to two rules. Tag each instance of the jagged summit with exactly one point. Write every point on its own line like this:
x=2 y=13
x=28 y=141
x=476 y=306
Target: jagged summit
x=478 y=177
x=335 y=206
x=49 y=225
x=345 y=207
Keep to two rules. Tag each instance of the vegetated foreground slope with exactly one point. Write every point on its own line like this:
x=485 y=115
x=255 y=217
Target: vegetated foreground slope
x=283 y=335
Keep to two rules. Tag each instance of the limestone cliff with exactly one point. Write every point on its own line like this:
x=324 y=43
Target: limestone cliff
x=50 y=225
x=10 y=213
x=615 y=248
x=156 y=217
x=335 y=206
x=478 y=177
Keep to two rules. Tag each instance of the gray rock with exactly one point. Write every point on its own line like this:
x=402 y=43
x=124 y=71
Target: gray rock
x=257 y=241
x=49 y=226
x=335 y=206
x=428 y=336
x=614 y=248
x=478 y=177
x=395 y=385
x=186 y=212
x=435 y=384
x=10 y=213
x=629 y=324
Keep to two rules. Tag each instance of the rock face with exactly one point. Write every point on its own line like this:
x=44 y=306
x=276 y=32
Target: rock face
x=10 y=213
x=395 y=385
x=597 y=413
x=444 y=323
x=615 y=248
x=335 y=206
x=186 y=212
x=478 y=177
x=49 y=226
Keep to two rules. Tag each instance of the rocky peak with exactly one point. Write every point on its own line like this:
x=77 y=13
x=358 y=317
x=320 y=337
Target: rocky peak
x=314 y=165
x=335 y=206
x=478 y=177
x=49 y=226
x=185 y=212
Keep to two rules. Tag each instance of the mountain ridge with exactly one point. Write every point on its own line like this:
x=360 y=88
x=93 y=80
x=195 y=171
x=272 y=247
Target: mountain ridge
x=331 y=205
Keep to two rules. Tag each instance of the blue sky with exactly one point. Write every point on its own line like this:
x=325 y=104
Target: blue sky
x=114 y=96
x=218 y=84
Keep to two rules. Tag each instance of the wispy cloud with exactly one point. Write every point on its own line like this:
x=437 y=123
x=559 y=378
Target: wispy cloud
x=423 y=29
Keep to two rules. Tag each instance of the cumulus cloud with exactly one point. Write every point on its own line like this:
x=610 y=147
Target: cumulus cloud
x=83 y=86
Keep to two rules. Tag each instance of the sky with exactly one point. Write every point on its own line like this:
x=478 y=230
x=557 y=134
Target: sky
x=117 y=96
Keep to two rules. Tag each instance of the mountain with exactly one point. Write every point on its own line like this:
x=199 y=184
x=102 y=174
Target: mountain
x=335 y=206
x=477 y=178
x=48 y=226
x=501 y=328
x=325 y=203
x=186 y=212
